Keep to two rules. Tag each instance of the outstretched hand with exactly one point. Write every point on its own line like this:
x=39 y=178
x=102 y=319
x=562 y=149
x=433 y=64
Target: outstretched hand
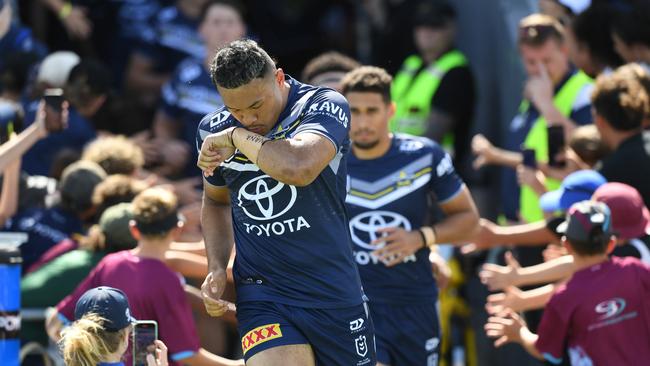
x=498 y=277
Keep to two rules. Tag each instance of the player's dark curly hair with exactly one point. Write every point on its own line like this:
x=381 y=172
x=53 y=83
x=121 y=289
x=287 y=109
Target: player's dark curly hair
x=239 y=63
x=368 y=79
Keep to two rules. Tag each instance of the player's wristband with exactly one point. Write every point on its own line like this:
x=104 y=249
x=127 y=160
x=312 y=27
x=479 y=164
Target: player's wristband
x=65 y=11
x=424 y=239
x=429 y=235
x=232 y=142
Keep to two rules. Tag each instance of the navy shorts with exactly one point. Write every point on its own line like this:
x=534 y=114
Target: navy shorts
x=406 y=334
x=337 y=336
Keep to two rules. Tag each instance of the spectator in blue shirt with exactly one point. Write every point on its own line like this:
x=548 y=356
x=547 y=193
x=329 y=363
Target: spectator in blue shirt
x=190 y=94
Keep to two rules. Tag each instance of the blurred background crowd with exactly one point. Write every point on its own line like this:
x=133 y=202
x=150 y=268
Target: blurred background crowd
x=504 y=85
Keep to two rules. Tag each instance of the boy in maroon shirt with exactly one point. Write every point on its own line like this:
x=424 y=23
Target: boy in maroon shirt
x=601 y=316
x=155 y=292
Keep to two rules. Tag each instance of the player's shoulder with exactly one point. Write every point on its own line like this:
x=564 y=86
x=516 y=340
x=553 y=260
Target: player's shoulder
x=406 y=143
x=216 y=121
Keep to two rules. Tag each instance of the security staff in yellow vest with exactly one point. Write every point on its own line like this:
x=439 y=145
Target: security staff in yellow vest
x=554 y=94
x=434 y=89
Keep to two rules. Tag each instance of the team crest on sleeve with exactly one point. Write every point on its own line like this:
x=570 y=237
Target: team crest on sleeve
x=260 y=335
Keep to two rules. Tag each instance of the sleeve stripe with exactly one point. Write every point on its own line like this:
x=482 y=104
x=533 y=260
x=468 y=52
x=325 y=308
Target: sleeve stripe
x=452 y=196
x=182 y=355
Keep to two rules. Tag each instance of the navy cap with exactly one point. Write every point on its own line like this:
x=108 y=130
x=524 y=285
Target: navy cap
x=107 y=302
x=577 y=186
x=583 y=217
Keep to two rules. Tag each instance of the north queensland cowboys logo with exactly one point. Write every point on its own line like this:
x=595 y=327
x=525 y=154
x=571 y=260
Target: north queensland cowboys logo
x=363 y=227
x=264 y=198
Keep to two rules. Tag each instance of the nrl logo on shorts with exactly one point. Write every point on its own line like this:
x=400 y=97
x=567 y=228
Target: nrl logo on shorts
x=361 y=345
x=260 y=335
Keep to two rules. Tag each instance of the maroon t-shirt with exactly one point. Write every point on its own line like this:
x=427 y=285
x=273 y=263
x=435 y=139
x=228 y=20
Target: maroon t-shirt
x=601 y=316
x=154 y=291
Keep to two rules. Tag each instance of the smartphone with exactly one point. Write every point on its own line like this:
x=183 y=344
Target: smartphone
x=530 y=160
x=145 y=332
x=556 y=145
x=54 y=98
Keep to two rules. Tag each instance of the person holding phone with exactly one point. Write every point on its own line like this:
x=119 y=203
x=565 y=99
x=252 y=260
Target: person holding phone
x=555 y=93
x=101 y=330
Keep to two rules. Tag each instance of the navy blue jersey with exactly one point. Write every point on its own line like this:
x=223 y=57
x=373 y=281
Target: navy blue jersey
x=45 y=228
x=293 y=244
x=187 y=97
x=39 y=158
x=395 y=190
x=175 y=37
x=20 y=39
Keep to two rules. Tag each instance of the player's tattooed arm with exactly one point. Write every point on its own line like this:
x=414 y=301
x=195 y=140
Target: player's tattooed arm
x=296 y=161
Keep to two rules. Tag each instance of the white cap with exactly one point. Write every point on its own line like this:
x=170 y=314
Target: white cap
x=576 y=6
x=55 y=68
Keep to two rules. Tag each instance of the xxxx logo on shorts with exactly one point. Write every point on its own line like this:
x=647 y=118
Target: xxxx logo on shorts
x=260 y=335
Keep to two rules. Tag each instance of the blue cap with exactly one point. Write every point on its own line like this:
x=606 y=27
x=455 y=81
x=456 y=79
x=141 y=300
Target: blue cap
x=107 y=302
x=577 y=186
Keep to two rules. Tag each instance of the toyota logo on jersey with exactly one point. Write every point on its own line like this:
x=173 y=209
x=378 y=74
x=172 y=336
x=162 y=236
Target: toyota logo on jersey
x=364 y=227
x=263 y=198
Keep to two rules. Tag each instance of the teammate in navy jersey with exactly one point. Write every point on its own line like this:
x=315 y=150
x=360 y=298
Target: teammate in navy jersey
x=190 y=94
x=277 y=151
x=397 y=182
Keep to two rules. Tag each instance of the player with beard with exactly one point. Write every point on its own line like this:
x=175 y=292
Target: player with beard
x=398 y=183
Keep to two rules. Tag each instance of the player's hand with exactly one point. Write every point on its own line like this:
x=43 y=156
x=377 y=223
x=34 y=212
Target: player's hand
x=539 y=88
x=512 y=298
x=484 y=151
x=497 y=277
x=399 y=245
x=441 y=270
x=212 y=290
x=216 y=148
x=160 y=351
x=505 y=328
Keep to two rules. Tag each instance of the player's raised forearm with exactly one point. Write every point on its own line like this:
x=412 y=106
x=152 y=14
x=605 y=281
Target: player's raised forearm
x=216 y=223
x=296 y=161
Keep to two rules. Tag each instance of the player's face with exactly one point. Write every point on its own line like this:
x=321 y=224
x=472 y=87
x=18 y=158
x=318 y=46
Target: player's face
x=370 y=116
x=258 y=104
x=222 y=25
x=551 y=54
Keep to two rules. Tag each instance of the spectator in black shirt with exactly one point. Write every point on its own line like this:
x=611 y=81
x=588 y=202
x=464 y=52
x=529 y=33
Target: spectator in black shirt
x=620 y=105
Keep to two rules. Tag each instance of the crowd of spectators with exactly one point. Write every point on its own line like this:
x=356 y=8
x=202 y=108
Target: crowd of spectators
x=104 y=180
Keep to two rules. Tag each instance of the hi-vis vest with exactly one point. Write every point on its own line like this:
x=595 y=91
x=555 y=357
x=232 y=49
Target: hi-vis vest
x=413 y=93
x=537 y=139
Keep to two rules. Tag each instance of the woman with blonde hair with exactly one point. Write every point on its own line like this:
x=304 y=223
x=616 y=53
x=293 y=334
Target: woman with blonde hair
x=100 y=334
